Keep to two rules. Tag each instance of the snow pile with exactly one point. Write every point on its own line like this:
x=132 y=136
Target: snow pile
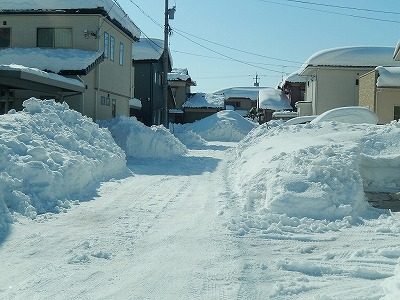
x=188 y=137
x=224 y=126
x=273 y=99
x=51 y=155
x=140 y=141
x=351 y=114
x=313 y=171
x=391 y=286
x=202 y=100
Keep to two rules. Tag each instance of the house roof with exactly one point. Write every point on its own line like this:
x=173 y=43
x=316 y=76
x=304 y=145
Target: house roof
x=22 y=77
x=60 y=61
x=180 y=75
x=388 y=77
x=273 y=99
x=203 y=100
x=135 y=103
x=295 y=77
x=396 y=53
x=358 y=56
x=108 y=8
x=250 y=92
x=148 y=50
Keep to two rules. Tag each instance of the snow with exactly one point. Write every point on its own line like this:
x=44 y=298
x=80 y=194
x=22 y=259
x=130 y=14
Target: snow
x=294 y=77
x=53 y=60
x=148 y=49
x=283 y=214
x=357 y=56
x=135 y=103
x=203 y=100
x=179 y=75
x=250 y=92
x=299 y=120
x=109 y=6
x=273 y=99
x=51 y=157
x=226 y=126
x=140 y=141
x=40 y=73
x=351 y=114
x=388 y=77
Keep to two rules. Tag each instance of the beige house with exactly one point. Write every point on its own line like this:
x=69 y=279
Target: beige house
x=97 y=35
x=380 y=92
x=334 y=76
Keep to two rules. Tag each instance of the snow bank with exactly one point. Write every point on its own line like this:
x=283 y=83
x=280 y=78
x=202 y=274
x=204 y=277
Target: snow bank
x=314 y=171
x=351 y=114
x=140 y=141
x=51 y=155
x=224 y=126
x=391 y=286
x=188 y=138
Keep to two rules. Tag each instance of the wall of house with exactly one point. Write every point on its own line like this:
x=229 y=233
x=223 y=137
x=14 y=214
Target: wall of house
x=194 y=114
x=336 y=87
x=111 y=78
x=367 y=89
x=386 y=100
x=241 y=103
x=179 y=91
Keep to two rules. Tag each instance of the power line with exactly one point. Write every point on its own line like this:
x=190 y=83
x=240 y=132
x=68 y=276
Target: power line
x=332 y=12
x=346 y=7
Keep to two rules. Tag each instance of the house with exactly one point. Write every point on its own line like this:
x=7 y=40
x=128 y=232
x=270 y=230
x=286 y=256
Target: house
x=148 y=58
x=272 y=100
x=202 y=105
x=89 y=41
x=380 y=92
x=242 y=99
x=334 y=76
x=294 y=86
x=180 y=83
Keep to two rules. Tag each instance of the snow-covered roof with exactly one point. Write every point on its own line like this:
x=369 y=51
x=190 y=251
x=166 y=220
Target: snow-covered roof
x=388 y=77
x=180 y=75
x=135 y=103
x=149 y=49
x=109 y=7
x=294 y=77
x=359 y=56
x=203 y=100
x=273 y=99
x=63 y=61
x=250 y=92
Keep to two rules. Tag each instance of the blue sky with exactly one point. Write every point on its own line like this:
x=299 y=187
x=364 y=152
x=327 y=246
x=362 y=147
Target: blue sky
x=284 y=33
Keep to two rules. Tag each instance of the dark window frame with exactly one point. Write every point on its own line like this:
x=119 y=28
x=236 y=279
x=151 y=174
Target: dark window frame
x=5 y=45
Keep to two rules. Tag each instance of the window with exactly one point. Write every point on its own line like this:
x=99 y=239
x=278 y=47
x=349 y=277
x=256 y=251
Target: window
x=121 y=53
x=54 y=37
x=112 y=48
x=5 y=37
x=106 y=45
x=396 y=112
x=103 y=100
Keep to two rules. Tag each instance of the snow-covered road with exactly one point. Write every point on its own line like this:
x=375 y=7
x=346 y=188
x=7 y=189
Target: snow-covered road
x=163 y=234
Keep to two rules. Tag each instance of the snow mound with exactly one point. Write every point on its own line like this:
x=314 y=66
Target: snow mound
x=224 y=126
x=391 y=286
x=140 y=141
x=351 y=114
x=51 y=157
x=315 y=171
x=190 y=139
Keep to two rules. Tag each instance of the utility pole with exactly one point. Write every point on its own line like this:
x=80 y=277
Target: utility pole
x=256 y=83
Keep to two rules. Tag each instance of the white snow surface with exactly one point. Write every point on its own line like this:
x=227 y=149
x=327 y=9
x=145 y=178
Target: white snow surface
x=54 y=60
x=204 y=100
x=294 y=77
x=140 y=141
x=273 y=99
x=52 y=156
x=282 y=215
x=388 y=77
x=179 y=75
x=350 y=114
x=250 y=92
x=42 y=74
x=148 y=49
x=113 y=10
x=356 y=56
x=226 y=126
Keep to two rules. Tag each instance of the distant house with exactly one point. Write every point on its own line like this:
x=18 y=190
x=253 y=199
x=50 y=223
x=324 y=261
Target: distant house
x=201 y=105
x=334 y=76
x=242 y=99
x=272 y=100
x=380 y=92
x=148 y=64
x=180 y=83
x=88 y=41
x=294 y=86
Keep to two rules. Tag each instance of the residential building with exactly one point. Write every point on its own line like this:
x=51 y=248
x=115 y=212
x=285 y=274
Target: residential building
x=334 y=76
x=294 y=86
x=180 y=83
x=272 y=100
x=90 y=41
x=201 y=105
x=380 y=92
x=148 y=58
x=242 y=99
